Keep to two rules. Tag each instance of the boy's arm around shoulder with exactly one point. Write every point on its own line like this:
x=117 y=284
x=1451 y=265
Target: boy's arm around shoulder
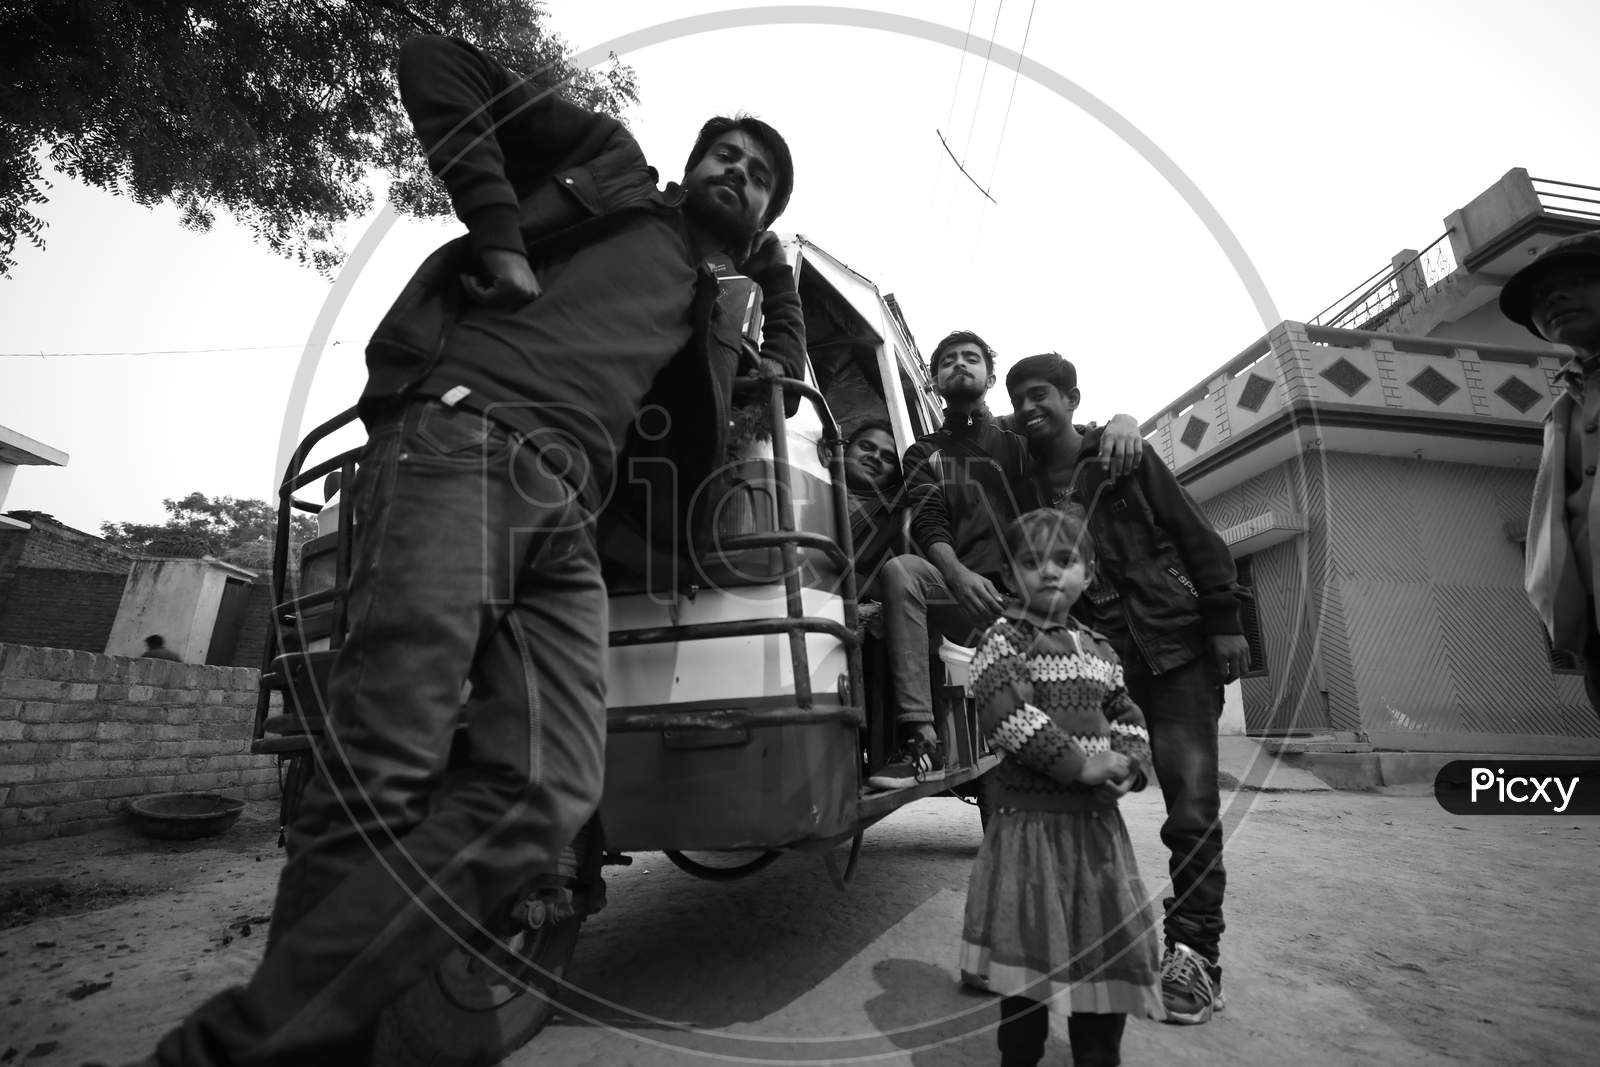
x=480 y=123
x=1003 y=692
x=1204 y=553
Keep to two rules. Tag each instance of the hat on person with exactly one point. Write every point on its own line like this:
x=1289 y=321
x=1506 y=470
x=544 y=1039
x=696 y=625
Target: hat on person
x=1516 y=299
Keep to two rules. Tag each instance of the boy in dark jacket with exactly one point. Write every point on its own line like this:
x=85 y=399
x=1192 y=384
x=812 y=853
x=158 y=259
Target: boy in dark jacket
x=502 y=385
x=1166 y=596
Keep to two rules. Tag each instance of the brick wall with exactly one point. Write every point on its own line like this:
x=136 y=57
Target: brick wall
x=253 y=631
x=61 y=608
x=58 y=546
x=82 y=734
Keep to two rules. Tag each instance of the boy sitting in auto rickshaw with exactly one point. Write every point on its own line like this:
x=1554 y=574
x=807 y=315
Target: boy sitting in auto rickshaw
x=872 y=478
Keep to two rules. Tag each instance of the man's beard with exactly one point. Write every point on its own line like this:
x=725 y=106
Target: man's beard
x=964 y=388
x=729 y=224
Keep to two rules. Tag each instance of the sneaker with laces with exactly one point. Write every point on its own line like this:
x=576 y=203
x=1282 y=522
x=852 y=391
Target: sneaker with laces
x=919 y=760
x=1187 y=991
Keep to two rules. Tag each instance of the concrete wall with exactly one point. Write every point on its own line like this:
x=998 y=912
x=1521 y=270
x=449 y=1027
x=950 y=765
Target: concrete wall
x=1485 y=325
x=1292 y=608
x=176 y=598
x=82 y=734
x=1400 y=613
x=1444 y=647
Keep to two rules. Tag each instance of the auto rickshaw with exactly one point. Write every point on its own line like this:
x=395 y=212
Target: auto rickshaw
x=747 y=697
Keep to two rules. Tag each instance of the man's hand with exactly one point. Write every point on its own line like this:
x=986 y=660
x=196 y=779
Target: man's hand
x=766 y=252
x=511 y=281
x=768 y=369
x=976 y=594
x=1115 y=788
x=1104 y=767
x=1231 y=655
x=1121 y=446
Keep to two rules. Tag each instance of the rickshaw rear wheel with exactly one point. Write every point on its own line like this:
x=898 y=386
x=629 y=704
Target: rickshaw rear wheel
x=479 y=1004
x=716 y=873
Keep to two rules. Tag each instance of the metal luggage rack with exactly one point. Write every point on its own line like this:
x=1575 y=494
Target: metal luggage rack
x=301 y=674
x=795 y=622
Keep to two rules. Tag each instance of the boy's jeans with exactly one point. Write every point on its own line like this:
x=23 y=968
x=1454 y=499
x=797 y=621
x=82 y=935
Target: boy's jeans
x=915 y=601
x=472 y=561
x=1181 y=708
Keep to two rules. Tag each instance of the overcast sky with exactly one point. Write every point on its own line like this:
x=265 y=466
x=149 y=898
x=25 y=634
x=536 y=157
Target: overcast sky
x=1326 y=137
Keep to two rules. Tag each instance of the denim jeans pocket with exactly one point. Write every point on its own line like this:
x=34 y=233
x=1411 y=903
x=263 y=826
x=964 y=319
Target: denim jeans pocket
x=454 y=437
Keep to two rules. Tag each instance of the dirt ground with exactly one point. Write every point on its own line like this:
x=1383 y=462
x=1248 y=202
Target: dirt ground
x=1364 y=928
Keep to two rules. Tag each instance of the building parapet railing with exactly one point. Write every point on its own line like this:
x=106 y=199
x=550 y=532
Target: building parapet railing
x=1304 y=362
x=1555 y=198
x=1390 y=287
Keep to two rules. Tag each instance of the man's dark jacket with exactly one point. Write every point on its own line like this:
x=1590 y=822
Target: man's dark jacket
x=1165 y=580
x=529 y=172
x=965 y=483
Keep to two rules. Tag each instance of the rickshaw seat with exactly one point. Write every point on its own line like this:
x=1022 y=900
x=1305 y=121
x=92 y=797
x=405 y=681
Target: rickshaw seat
x=957 y=660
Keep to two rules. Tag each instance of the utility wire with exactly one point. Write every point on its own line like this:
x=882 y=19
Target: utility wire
x=156 y=351
x=978 y=103
x=962 y=66
x=1015 y=74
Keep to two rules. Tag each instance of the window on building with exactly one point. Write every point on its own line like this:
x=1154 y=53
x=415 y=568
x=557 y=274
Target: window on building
x=1249 y=616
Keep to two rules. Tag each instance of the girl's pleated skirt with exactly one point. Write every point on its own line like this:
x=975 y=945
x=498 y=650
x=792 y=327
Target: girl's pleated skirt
x=1056 y=911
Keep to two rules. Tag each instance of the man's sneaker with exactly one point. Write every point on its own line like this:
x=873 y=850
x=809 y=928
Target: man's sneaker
x=919 y=760
x=1186 y=988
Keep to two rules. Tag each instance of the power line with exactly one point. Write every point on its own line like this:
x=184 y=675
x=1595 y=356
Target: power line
x=987 y=56
x=1015 y=74
x=157 y=351
x=961 y=66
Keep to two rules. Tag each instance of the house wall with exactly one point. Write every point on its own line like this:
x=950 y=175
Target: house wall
x=82 y=734
x=1300 y=631
x=1445 y=649
x=1401 y=613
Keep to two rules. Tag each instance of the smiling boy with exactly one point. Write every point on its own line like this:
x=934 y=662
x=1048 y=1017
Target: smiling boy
x=1166 y=597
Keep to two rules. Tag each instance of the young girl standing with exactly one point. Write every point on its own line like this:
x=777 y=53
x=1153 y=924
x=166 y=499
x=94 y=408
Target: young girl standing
x=1056 y=910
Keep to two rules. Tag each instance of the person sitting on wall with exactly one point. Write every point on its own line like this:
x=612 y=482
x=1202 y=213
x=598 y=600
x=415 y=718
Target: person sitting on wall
x=155 y=647
x=1557 y=299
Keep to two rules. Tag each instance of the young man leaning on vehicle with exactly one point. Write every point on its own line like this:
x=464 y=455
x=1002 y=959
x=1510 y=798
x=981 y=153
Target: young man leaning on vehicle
x=501 y=387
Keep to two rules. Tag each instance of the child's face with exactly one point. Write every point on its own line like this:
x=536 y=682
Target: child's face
x=1050 y=578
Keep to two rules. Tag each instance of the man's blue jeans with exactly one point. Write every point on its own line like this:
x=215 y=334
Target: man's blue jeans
x=1181 y=709
x=473 y=562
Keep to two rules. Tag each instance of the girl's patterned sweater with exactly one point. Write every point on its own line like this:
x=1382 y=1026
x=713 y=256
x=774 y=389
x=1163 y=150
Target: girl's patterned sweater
x=1048 y=697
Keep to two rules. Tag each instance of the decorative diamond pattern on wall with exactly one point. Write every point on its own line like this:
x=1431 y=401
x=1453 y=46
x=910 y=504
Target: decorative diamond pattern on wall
x=1349 y=378
x=1255 y=392
x=1433 y=385
x=1518 y=393
x=1195 y=432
